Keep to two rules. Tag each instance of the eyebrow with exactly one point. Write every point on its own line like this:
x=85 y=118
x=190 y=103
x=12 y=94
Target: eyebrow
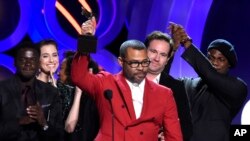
x=133 y=60
x=157 y=51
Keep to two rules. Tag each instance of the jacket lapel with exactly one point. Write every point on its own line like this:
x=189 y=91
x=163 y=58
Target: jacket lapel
x=126 y=95
x=146 y=113
x=16 y=94
x=146 y=97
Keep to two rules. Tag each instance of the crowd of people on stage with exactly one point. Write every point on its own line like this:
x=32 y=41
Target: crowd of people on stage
x=142 y=102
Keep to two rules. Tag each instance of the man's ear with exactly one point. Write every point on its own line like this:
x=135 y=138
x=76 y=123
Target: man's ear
x=120 y=61
x=168 y=60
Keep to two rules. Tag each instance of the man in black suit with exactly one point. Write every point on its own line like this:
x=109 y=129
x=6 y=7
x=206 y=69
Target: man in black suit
x=160 y=50
x=215 y=96
x=30 y=110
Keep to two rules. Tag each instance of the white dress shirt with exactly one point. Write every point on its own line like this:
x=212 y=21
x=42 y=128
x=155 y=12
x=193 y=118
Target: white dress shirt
x=137 y=91
x=157 y=78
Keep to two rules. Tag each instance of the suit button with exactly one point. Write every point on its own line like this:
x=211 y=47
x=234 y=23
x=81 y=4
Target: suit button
x=141 y=133
x=123 y=106
x=126 y=128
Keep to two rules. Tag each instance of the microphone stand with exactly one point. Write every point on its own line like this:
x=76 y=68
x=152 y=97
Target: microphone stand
x=108 y=95
x=113 y=122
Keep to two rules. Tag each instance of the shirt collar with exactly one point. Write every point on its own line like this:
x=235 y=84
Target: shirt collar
x=131 y=85
x=157 y=78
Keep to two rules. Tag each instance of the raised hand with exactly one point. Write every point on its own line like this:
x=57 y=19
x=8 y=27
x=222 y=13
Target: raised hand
x=89 y=27
x=52 y=79
x=179 y=35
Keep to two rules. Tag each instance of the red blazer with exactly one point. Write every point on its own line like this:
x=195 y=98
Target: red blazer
x=159 y=108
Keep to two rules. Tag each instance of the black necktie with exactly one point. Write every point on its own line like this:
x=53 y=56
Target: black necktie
x=25 y=92
x=28 y=97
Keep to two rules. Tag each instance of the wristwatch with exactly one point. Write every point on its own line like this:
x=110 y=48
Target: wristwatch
x=45 y=127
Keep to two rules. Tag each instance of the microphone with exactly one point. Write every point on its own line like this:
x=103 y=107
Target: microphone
x=108 y=94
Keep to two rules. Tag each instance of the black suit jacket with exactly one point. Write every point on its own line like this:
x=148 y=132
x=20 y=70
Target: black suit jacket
x=11 y=110
x=181 y=100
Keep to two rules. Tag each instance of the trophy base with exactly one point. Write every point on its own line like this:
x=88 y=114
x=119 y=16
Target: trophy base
x=87 y=44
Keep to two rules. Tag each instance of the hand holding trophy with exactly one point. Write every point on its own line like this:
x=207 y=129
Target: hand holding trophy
x=87 y=42
x=89 y=26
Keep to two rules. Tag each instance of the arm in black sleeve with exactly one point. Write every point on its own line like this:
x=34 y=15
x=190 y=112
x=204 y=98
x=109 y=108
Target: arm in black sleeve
x=229 y=89
x=9 y=126
x=9 y=129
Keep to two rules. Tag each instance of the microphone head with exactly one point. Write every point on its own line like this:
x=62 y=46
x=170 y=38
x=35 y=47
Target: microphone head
x=108 y=94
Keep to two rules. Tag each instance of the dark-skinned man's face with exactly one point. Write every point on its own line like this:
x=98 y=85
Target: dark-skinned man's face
x=27 y=63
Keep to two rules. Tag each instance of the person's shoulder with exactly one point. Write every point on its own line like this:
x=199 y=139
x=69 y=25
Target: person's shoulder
x=168 y=80
x=166 y=76
x=4 y=82
x=104 y=73
x=46 y=86
x=241 y=84
x=185 y=78
x=9 y=85
x=8 y=81
x=241 y=81
x=192 y=80
x=238 y=82
x=158 y=87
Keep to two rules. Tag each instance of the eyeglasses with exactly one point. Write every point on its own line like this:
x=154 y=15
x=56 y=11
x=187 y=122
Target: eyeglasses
x=135 y=64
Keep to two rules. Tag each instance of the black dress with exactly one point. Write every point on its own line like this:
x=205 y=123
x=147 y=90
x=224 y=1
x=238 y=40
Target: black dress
x=88 y=122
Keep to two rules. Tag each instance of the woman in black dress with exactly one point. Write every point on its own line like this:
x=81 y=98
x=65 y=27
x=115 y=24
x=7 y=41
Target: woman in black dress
x=79 y=110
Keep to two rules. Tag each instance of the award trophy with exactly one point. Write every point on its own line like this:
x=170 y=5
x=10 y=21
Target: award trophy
x=87 y=43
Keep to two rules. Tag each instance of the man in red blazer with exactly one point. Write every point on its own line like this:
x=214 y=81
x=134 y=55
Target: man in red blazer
x=139 y=106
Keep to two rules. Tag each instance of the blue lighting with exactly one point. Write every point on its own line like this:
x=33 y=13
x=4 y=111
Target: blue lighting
x=21 y=28
x=7 y=62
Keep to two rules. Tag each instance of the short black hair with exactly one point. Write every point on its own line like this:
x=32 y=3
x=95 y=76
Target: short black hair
x=68 y=56
x=26 y=45
x=135 y=44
